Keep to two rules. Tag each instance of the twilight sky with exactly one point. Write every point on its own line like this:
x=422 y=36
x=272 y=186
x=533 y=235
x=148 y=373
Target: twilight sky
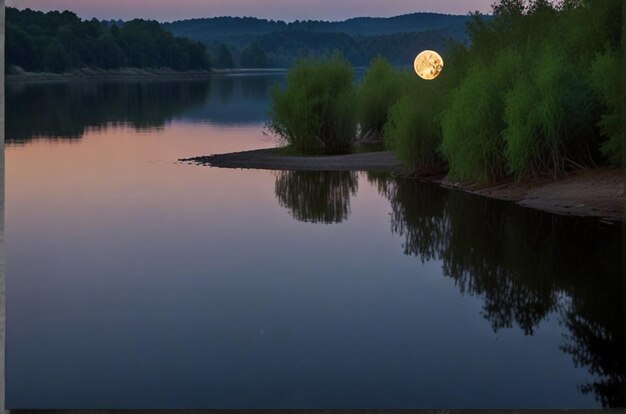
x=168 y=10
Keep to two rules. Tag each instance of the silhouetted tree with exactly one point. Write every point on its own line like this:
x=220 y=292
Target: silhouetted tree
x=108 y=54
x=253 y=56
x=56 y=58
x=225 y=58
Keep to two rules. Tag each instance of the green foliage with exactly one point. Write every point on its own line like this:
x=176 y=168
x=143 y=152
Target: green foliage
x=413 y=130
x=472 y=123
x=379 y=90
x=538 y=91
x=525 y=104
x=316 y=113
x=607 y=77
x=59 y=42
x=548 y=118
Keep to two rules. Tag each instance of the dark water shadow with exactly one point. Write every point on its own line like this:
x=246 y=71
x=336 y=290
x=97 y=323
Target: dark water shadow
x=66 y=110
x=525 y=265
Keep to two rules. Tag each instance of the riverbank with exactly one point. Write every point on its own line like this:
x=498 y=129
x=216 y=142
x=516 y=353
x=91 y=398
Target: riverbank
x=130 y=74
x=591 y=193
x=268 y=159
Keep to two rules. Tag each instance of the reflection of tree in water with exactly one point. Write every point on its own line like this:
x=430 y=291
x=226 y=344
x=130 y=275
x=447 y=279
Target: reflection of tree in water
x=225 y=87
x=525 y=264
x=316 y=196
x=419 y=218
x=596 y=322
x=65 y=110
x=257 y=87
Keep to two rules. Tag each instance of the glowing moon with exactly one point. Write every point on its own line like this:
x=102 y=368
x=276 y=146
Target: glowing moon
x=428 y=64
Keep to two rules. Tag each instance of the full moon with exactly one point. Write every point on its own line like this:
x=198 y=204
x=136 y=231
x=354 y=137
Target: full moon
x=428 y=64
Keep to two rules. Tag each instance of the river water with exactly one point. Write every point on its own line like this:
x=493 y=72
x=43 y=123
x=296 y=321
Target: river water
x=135 y=281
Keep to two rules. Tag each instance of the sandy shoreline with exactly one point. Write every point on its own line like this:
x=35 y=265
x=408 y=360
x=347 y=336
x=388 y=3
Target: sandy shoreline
x=593 y=193
x=131 y=74
x=265 y=159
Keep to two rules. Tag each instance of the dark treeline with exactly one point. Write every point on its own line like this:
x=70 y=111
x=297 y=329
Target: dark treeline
x=282 y=48
x=61 y=41
x=358 y=39
x=497 y=251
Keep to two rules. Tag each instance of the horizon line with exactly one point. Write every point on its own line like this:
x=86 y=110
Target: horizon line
x=250 y=17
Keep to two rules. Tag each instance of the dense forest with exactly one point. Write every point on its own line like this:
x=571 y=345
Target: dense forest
x=359 y=39
x=538 y=91
x=61 y=41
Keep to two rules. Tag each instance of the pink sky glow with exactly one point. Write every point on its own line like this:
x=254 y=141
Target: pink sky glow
x=289 y=10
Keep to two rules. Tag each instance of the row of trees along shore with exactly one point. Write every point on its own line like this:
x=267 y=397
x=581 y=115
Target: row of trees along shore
x=537 y=91
x=61 y=41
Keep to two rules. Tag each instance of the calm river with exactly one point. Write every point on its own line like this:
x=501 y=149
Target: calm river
x=135 y=281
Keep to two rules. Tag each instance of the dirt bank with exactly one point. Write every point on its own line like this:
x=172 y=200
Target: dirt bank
x=593 y=193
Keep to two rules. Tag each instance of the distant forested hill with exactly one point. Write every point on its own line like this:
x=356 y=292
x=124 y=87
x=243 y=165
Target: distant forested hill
x=360 y=39
x=239 y=30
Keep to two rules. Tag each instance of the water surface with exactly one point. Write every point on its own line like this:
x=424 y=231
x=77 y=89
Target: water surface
x=134 y=281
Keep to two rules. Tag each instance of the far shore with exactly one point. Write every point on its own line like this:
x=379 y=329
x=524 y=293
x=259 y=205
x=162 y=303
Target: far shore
x=595 y=193
x=132 y=74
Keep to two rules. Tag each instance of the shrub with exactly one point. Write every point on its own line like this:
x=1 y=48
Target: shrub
x=413 y=130
x=607 y=79
x=548 y=117
x=380 y=89
x=472 y=123
x=316 y=112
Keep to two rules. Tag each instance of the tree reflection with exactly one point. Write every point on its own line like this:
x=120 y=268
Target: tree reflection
x=526 y=265
x=316 y=196
x=65 y=110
